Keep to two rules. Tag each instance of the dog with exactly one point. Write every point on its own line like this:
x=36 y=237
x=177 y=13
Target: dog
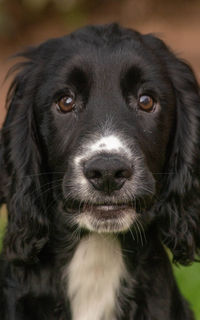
x=100 y=172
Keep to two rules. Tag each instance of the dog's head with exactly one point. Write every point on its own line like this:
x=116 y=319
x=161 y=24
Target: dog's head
x=105 y=124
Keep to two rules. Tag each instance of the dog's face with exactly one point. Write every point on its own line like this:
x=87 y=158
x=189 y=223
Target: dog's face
x=109 y=110
x=104 y=123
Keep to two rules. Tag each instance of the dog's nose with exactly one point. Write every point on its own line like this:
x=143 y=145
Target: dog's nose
x=107 y=173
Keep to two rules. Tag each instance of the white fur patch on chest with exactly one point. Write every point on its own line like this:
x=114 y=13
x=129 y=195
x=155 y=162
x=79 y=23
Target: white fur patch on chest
x=94 y=277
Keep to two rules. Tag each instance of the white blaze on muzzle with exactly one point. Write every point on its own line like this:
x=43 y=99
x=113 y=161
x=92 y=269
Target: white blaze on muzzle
x=104 y=144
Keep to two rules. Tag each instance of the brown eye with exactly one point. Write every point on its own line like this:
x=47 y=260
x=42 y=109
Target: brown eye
x=146 y=103
x=66 y=103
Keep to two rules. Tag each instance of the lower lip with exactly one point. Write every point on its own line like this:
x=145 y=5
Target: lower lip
x=107 y=211
x=111 y=208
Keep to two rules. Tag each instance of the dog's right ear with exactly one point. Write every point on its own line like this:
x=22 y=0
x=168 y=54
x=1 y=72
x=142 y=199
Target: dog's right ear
x=27 y=230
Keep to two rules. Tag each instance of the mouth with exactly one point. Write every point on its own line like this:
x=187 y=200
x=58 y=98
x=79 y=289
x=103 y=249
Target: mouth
x=105 y=218
x=107 y=212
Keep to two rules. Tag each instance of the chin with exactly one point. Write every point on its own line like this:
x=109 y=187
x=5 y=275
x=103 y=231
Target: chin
x=107 y=218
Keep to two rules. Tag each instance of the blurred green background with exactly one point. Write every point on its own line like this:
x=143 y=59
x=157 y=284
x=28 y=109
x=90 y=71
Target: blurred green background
x=28 y=22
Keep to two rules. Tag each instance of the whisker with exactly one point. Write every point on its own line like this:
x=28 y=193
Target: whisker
x=140 y=234
x=142 y=228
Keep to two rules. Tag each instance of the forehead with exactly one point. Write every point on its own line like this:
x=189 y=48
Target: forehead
x=106 y=64
x=120 y=55
x=95 y=61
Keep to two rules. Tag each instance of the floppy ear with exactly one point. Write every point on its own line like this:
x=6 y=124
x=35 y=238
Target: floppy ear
x=179 y=209
x=27 y=230
x=3 y=179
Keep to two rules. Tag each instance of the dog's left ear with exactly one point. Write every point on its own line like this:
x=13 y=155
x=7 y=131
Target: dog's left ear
x=179 y=208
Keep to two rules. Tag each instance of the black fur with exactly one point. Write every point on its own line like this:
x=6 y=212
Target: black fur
x=37 y=143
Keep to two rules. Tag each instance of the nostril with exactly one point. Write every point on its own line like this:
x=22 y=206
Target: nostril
x=123 y=174
x=119 y=174
x=93 y=174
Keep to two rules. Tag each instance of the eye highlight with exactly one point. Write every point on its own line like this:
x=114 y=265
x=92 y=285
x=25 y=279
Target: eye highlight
x=66 y=103
x=146 y=103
